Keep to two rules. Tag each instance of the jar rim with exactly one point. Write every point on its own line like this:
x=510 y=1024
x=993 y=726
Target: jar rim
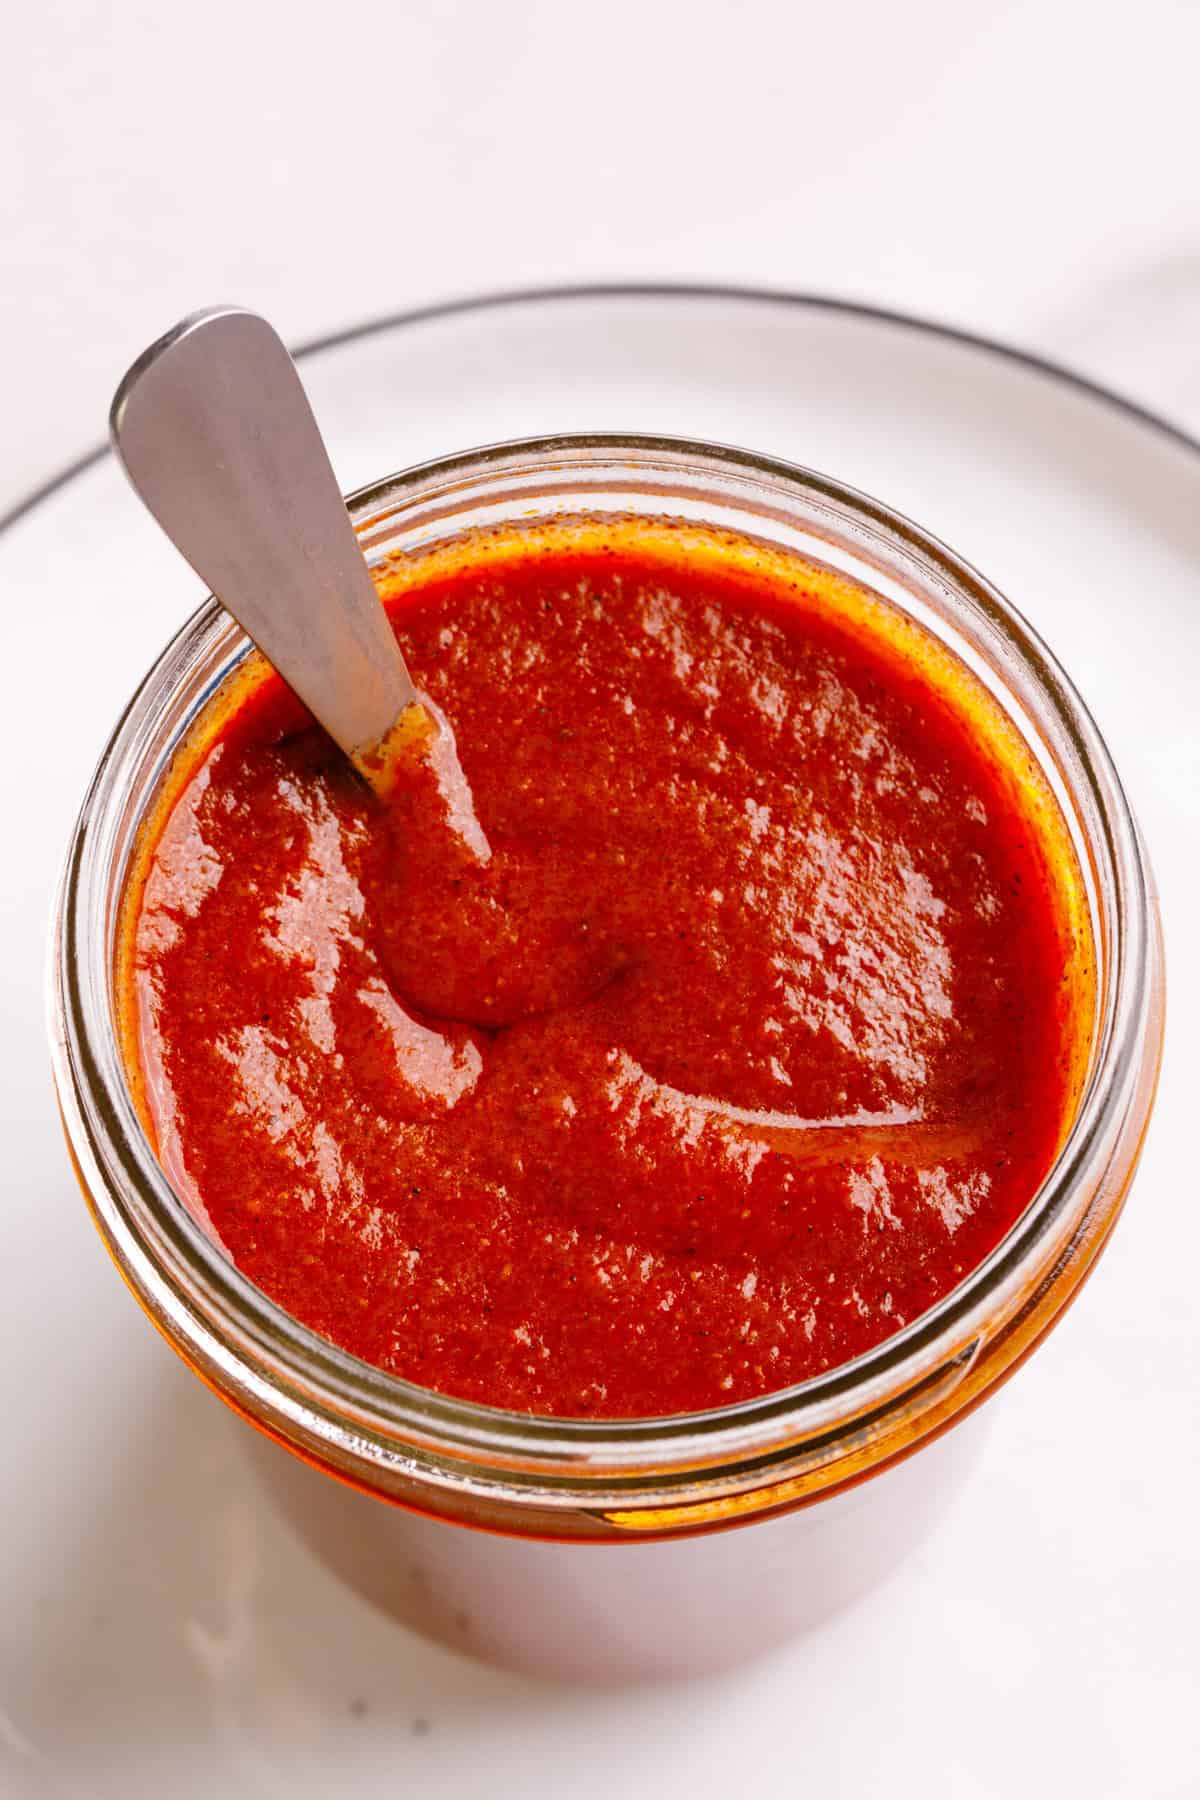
x=253 y=1350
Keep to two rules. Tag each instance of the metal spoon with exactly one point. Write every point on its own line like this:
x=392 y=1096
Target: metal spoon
x=214 y=430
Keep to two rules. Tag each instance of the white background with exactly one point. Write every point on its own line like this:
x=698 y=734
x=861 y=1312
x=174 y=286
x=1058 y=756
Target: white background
x=1025 y=169
x=1028 y=168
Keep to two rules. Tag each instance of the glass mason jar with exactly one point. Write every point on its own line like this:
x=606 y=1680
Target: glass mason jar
x=528 y=1585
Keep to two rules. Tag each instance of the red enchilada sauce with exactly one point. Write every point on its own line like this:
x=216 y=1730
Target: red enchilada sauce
x=740 y=1019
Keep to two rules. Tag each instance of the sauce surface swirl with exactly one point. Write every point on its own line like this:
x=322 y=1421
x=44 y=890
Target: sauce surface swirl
x=745 y=1018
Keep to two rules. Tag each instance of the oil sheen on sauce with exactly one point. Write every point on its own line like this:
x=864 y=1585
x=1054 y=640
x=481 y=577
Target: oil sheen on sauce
x=746 y=1018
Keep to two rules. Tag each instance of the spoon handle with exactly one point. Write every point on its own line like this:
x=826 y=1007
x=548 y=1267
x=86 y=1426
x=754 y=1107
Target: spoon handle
x=216 y=434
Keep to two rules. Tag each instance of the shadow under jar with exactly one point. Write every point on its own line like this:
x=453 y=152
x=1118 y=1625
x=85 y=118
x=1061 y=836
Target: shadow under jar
x=605 y=1548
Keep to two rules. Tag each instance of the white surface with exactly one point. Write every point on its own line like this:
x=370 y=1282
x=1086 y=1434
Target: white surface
x=161 y=1632
x=1026 y=167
